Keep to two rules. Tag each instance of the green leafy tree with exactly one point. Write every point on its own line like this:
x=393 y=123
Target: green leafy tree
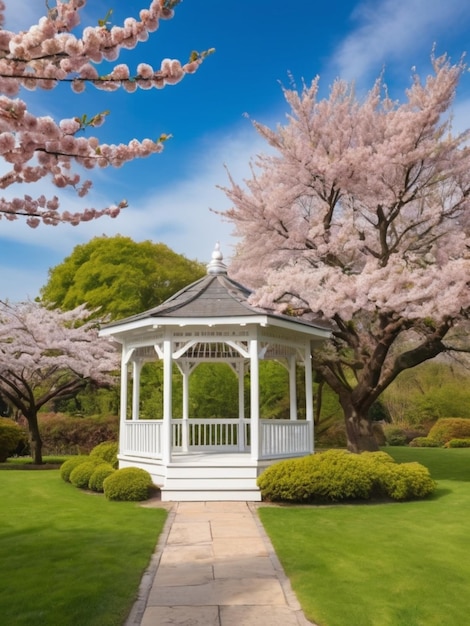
x=430 y=391
x=119 y=277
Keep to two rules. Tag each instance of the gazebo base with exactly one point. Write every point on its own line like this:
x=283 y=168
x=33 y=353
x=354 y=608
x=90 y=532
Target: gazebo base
x=203 y=476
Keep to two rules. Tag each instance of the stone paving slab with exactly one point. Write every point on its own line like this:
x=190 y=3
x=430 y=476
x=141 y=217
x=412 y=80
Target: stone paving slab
x=190 y=533
x=257 y=566
x=199 y=553
x=227 y=528
x=183 y=575
x=265 y=591
x=182 y=616
x=215 y=566
x=257 y=616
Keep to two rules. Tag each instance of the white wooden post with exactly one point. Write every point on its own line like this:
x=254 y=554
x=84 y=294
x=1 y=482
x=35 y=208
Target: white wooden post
x=292 y=387
x=123 y=401
x=309 y=392
x=136 y=370
x=185 y=370
x=123 y=407
x=254 y=399
x=167 y=399
x=241 y=406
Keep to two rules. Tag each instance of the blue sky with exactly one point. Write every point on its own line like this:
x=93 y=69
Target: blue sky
x=259 y=44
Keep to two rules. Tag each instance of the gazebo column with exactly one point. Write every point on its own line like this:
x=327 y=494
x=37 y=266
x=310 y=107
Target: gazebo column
x=254 y=400
x=167 y=399
x=136 y=370
x=186 y=372
x=124 y=377
x=309 y=392
x=123 y=407
x=125 y=357
x=240 y=369
x=293 y=387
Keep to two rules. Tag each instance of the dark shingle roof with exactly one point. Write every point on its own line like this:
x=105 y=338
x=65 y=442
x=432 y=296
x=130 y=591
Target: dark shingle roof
x=213 y=296
x=210 y=296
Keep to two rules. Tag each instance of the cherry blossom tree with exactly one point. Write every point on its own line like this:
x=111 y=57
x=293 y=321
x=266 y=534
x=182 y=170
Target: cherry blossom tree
x=47 y=354
x=361 y=216
x=49 y=54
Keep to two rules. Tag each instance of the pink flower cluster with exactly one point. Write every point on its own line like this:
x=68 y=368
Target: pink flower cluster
x=43 y=352
x=49 y=54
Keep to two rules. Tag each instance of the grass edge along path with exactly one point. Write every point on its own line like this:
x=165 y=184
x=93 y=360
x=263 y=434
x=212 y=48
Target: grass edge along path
x=398 y=564
x=69 y=556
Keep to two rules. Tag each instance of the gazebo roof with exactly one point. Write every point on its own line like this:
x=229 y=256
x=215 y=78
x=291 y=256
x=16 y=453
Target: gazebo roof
x=215 y=296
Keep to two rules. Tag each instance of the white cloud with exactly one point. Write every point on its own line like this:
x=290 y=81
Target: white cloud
x=394 y=30
x=179 y=216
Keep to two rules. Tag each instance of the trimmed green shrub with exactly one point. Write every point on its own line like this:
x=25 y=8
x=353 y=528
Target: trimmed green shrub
x=424 y=442
x=338 y=475
x=448 y=428
x=100 y=473
x=129 y=483
x=292 y=480
x=394 y=435
x=63 y=434
x=80 y=476
x=407 y=481
x=458 y=443
x=70 y=464
x=11 y=435
x=107 y=450
x=401 y=433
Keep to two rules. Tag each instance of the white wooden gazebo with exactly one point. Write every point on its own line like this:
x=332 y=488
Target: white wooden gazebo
x=211 y=321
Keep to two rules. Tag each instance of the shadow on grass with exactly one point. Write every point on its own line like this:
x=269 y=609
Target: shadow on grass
x=441 y=492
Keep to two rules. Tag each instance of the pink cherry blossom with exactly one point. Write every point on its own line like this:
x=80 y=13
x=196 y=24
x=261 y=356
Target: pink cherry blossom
x=360 y=217
x=54 y=51
x=47 y=354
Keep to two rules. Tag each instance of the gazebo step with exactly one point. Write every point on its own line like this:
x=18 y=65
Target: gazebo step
x=199 y=478
x=210 y=495
x=211 y=472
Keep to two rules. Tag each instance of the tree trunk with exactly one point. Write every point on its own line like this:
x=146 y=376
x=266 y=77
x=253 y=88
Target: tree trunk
x=359 y=431
x=35 y=440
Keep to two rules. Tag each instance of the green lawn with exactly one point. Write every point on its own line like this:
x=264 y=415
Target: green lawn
x=400 y=564
x=69 y=558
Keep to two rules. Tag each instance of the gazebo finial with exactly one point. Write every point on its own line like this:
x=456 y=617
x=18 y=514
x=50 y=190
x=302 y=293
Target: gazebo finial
x=216 y=266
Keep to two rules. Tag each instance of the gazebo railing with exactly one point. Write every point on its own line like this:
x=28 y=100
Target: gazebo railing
x=285 y=438
x=210 y=434
x=142 y=438
x=278 y=438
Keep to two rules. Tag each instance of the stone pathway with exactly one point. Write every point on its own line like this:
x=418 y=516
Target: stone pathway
x=215 y=566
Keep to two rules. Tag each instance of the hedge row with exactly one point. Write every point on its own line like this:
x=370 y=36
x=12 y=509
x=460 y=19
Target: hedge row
x=11 y=437
x=62 y=434
x=450 y=432
x=97 y=472
x=338 y=475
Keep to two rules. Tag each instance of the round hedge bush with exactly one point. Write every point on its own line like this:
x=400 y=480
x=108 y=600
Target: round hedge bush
x=338 y=475
x=80 y=475
x=100 y=473
x=424 y=442
x=70 y=464
x=447 y=428
x=407 y=481
x=11 y=435
x=458 y=443
x=129 y=483
x=107 y=450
